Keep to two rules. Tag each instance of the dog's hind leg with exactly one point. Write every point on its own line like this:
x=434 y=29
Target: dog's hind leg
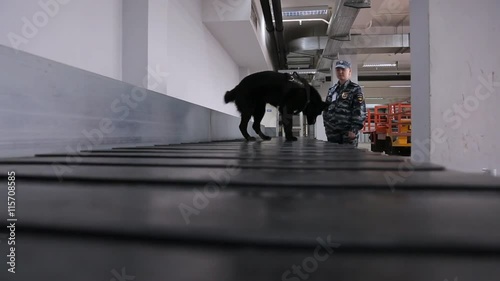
x=245 y=118
x=259 y=112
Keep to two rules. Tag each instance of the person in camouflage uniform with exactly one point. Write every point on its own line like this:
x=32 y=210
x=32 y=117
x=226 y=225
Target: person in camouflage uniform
x=345 y=116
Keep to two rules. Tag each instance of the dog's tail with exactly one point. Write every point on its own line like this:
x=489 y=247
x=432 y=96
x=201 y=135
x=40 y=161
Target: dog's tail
x=230 y=96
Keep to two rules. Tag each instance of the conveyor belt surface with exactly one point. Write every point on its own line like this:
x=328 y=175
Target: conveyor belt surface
x=251 y=211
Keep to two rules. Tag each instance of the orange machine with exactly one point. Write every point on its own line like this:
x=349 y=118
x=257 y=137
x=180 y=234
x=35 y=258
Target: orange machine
x=389 y=128
x=376 y=127
x=399 y=129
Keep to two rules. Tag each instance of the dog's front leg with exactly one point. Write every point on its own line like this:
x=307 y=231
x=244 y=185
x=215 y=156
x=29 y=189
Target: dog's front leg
x=287 y=119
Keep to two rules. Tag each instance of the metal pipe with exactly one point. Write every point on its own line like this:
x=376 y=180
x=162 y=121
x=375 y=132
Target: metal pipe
x=278 y=17
x=266 y=10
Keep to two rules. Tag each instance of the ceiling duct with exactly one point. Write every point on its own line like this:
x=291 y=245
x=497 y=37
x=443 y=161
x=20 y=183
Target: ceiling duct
x=359 y=44
x=341 y=22
x=345 y=13
x=325 y=65
x=332 y=49
x=358 y=4
x=308 y=44
x=377 y=44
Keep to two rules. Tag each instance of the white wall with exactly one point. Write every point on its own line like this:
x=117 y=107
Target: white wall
x=88 y=34
x=200 y=70
x=472 y=135
x=80 y=33
x=64 y=109
x=320 y=126
x=464 y=83
x=271 y=117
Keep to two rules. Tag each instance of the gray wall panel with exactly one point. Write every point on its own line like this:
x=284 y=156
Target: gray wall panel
x=46 y=106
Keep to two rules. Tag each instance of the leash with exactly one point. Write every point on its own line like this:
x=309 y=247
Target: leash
x=306 y=86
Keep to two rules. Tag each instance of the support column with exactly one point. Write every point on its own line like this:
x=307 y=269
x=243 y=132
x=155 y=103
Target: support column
x=158 y=45
x=420 y=96
x=455 y=99
x=134 y=41
x=144 y=58
x=319 y=128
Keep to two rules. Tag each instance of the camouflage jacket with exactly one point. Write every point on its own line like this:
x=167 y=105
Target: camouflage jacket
x=347 y=109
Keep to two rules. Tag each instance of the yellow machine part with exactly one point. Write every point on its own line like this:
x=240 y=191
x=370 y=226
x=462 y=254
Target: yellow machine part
x=402 y=141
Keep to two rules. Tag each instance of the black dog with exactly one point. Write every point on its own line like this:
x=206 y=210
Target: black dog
x=291 y=94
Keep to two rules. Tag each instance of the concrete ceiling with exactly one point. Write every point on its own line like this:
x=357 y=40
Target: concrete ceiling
x=384 y=17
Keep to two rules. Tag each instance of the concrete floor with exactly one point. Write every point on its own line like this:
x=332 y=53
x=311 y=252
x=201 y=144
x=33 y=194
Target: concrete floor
x=364 y=145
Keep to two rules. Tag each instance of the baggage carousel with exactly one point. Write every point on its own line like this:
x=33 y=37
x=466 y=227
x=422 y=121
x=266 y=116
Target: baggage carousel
x=234 y=210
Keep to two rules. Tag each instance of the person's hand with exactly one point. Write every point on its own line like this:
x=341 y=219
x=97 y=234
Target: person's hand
x=351 y=135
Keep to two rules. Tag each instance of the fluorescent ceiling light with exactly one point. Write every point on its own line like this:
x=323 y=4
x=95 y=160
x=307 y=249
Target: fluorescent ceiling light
x=305 y=13
x=374 y=98
x=301 y=20
x=306 y=72
x=299 y=71
x=379 y=65
x=400 y=86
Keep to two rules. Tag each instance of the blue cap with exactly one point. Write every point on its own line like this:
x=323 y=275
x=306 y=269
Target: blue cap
x=343 y=64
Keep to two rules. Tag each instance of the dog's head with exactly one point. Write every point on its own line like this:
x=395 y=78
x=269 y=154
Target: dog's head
x=315 y=106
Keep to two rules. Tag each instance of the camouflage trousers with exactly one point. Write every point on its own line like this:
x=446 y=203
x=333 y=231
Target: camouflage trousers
x=342 y=137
